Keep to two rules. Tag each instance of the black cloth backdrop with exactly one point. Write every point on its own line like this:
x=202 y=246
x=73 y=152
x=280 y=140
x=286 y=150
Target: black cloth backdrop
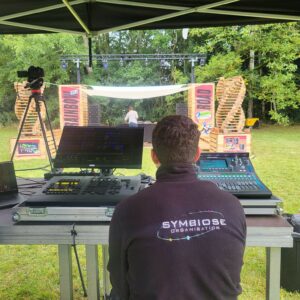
x=36 y=16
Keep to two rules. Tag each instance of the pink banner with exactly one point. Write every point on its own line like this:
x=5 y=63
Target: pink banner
x=204 y=107
x=69 y=105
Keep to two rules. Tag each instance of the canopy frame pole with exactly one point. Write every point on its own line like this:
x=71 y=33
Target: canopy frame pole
x=167 y=16
x=77 y=17
x=143 y=4
x=36 y=27
x=90 y=53
x=209 y=11
x=251 y=14
x=39 y=10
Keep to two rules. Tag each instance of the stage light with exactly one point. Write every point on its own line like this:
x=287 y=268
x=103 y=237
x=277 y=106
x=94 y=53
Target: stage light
x=165 y=64
x=202 y=61
x=64 y=65
x=105 y=64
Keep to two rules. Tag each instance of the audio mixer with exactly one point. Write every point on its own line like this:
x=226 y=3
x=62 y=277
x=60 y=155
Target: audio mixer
x=234 y=173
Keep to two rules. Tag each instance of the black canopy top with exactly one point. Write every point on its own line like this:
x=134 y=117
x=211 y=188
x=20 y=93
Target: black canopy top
x=94 y=17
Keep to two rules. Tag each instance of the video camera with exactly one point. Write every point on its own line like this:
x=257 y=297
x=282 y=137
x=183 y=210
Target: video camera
x=34 y=77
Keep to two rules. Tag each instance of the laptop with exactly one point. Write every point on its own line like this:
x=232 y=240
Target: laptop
x=9 y=195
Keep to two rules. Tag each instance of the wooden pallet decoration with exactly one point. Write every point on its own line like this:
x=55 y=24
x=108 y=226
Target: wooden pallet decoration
x=31 y=125
x=51 y=142
x=230 y=117
x=31 y=143
x=229 y=136
x=229 y=142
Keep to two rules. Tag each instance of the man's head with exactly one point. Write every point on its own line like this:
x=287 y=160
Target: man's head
x=130 y=107
x=175 y=140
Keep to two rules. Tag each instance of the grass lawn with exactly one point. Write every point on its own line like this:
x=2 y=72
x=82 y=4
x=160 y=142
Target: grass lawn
x=31 y=272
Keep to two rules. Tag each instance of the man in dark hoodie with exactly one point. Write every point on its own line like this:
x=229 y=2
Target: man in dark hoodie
x=181 y=238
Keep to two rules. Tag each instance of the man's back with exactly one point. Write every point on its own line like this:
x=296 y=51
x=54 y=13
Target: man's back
x=181 y=239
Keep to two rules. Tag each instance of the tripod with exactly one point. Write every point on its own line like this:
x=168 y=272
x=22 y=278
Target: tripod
x=38 y=98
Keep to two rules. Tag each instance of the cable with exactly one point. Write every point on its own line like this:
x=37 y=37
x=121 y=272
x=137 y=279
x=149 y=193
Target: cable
x=39 y=168
x=50 y=83
x=74 y=234
x=31 y=180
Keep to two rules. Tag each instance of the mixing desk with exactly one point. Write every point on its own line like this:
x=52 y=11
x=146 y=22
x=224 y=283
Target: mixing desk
x=232 y=172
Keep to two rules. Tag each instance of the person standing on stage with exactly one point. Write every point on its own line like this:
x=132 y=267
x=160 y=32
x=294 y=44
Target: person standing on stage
x=181 y=238
x=131 y=117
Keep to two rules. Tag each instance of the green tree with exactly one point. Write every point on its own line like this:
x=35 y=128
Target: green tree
x=21 y=51
x=273 y=79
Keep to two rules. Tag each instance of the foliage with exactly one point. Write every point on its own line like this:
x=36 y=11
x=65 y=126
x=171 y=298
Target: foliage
x=220 y=65
x=273 y=84
x=19 y=52
x=7 y=118
x=275 y=76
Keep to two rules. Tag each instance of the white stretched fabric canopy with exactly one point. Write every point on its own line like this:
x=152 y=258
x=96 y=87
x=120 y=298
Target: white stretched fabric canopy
x=139 y=92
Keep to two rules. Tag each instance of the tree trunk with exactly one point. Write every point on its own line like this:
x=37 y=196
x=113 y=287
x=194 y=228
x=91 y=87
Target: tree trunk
x=250 y=100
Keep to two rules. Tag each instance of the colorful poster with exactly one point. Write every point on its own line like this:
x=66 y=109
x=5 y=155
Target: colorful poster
x=69 y=105
x=28 y=148
x=235 y=143
x=202 y=106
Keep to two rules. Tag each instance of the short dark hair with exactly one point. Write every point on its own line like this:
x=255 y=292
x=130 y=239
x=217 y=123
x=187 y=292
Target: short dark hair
x=175 y=139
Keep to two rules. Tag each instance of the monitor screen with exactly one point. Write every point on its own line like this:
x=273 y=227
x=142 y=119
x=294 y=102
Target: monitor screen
x=213 y=164
x=8 y=182
x=100 y=147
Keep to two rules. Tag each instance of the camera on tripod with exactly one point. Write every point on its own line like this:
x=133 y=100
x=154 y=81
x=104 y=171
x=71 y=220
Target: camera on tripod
x=34 y=77
x=35 y=82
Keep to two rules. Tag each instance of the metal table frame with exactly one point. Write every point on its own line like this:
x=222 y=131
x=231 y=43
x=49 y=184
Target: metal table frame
x=272 y=232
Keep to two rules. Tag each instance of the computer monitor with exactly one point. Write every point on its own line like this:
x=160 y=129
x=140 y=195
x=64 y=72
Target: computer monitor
x=100 y=147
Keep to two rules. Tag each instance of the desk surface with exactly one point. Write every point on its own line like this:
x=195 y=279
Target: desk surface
x=266 y=231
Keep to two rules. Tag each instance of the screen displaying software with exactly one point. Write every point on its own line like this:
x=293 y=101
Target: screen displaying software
x=100 y=147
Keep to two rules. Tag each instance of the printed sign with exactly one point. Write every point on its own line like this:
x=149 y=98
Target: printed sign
x=203 y=107
x=235 y=143
x=28 y=148
x=69 y=105
x=191 y=225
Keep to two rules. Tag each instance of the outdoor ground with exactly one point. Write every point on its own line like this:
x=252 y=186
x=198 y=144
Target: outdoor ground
x=31 y=272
